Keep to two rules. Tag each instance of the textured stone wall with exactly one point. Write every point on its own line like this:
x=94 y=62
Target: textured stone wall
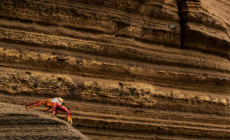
x=206 y=26
x=132 y=69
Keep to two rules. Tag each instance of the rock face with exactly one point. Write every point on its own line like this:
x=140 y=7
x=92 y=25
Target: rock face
x=206 y=25
x=17 y=123
x=131 y=69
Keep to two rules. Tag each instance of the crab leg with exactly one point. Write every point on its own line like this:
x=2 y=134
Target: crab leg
x=54 y=109
x=56 y=112
x=34 y=105
x=46 y=109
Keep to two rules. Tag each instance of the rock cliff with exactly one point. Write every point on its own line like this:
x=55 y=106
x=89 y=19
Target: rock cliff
x=132 y=69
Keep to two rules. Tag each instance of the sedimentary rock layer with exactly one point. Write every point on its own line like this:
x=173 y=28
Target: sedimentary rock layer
x=136 y=19
x=17 y=123
x=128 y=69
x=99 y=105
x=206 y=25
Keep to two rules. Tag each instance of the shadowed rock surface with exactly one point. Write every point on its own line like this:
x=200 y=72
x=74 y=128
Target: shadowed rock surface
x=128 y=69
x=17 y=123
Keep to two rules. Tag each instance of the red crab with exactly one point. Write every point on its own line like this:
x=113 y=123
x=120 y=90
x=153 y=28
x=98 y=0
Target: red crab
x=54 y=104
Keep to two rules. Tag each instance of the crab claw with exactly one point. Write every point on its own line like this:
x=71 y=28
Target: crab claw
x=70 y=120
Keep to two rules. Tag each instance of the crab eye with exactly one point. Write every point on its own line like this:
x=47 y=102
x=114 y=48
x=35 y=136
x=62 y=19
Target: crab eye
x=60 y=99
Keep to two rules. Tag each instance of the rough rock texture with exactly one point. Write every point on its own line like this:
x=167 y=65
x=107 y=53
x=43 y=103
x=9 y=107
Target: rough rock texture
x=128 y=69
x=206 y=25
x=17 y=123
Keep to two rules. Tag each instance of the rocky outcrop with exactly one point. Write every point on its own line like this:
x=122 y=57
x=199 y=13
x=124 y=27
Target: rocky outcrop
x=125 y=68
x=17 y=123
x=135 y=19
x=206 y=26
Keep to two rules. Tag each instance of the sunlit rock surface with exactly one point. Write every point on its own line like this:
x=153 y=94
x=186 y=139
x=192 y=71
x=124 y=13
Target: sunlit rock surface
x=128 y=69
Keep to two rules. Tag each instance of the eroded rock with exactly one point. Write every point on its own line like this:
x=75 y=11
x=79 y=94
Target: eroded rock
x=18 y=123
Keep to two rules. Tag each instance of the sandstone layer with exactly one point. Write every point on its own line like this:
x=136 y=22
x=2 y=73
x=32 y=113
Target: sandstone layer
x=19 y=123
x=206 y=26
x=128 y=69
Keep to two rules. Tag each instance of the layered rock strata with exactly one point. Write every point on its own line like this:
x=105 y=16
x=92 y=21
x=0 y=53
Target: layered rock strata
x=129 y=69
x=206 y=26
x=17 y=123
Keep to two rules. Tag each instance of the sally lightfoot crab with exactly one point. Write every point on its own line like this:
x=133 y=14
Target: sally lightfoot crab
x=52 y=103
